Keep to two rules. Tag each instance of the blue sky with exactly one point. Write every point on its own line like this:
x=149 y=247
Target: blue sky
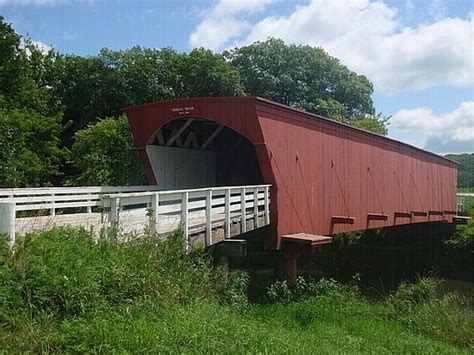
x=418 y=54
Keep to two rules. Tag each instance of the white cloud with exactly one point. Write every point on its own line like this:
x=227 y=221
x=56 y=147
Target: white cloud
x=43 y=47
x=220 y=23
x=366 y=36
x=452 y=132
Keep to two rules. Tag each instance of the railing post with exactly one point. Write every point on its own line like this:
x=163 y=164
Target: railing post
x=227 y=213
x=243 y=223
x=114 y=211
x=255 y=207
x=155 y=203
x=7 y=221
x=184 y=218
x=267 y=207
x=208 y=217
x=52 y=212
x=89 y=208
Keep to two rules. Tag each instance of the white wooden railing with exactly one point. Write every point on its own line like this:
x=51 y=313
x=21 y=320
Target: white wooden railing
x=196 y=210
x=461 y=199
x=54 y=198
x=51 y=200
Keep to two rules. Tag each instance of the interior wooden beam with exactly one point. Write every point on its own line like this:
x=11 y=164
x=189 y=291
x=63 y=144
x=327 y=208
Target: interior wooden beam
x=191 y=139
x=212 y=136
x=179 y=131
x=159 y=137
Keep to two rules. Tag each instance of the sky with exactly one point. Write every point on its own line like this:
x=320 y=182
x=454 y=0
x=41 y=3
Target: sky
x=419 y=54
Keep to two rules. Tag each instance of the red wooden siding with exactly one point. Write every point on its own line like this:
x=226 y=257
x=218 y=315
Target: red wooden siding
x=319 y=168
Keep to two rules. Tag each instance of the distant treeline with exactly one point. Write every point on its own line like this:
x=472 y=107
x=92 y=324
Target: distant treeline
x=60 y=118
x=466 y=169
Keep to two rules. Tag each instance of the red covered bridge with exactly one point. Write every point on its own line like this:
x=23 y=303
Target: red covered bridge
x=325 y=177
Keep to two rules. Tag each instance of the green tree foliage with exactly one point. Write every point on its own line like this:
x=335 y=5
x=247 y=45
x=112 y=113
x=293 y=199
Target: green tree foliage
x=10 y=60
x=466 y=169
x=29 y=148
x=204 y=73
x=307 y=78
x=104 y=154
x=101 y=85
x=30 y=118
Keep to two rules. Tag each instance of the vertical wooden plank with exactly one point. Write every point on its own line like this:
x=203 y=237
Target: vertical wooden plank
x=227 y=213
x=243 y=222
x=267 y=206
x=7 y=221
x=52 y=212
x=255 y=207
x=114 y=213
x=155 y=203
x=184 y=218
x=208 y=217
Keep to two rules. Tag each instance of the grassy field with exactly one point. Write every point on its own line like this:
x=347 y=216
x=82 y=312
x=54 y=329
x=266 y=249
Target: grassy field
x=62 y=292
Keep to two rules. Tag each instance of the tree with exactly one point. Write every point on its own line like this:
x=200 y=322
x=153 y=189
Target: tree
x=104 y=154
x=30 y=117
x=204 y=73
x=466 y=169
x=10 y=60
x=99 y=86
x=308 y=78
x=30 y=152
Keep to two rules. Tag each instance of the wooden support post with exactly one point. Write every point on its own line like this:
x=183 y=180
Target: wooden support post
x=243 y=222
x=255 y=207
x=7 y=221
x=154 y=205
x=227 y=213
x=290 y=268
x=267 y=206
x=184 y=218
x=208 y=217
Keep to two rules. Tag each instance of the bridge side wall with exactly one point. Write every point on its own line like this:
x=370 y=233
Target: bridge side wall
x=323 y=169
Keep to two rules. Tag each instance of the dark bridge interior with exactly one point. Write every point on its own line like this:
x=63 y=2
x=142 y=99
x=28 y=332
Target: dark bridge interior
x=205 y=152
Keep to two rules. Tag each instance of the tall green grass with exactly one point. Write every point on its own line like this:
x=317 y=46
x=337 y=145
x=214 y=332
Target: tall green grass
x=62 y=292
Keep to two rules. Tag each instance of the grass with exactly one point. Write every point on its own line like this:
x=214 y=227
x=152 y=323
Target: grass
x=62 y=292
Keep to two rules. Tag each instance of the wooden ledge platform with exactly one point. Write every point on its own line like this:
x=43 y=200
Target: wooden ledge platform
x=449 y=212
x=461 y=219
x=304 y=238
x=377 y=216
x=399 y=214
x=419 y=213
x=342 y=220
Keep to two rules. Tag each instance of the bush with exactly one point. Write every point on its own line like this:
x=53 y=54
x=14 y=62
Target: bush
x=64 y=272
x=420 y=305
x=281 y=292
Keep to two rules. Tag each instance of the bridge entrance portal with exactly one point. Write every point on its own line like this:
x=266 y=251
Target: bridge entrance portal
x=194 y=152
